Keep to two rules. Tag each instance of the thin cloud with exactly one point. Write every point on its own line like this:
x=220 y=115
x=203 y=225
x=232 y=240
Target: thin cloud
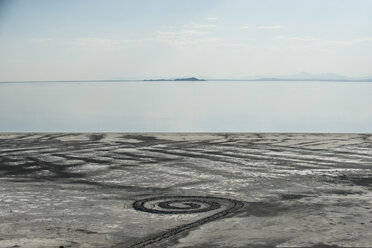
x=183 y=33
x=200 y=26
x=346 y=42
x=244 y=27
x=103 y=43
x=182 y=37
x=297 y=38
x=212 y=18
x=188 y=38
x=365 y=39
x=41 y=40
x=94 y=41
x=270 y=27
x=321 y=42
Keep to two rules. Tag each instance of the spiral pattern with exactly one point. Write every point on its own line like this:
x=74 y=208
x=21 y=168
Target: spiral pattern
x=219 y=207
x=177 y=205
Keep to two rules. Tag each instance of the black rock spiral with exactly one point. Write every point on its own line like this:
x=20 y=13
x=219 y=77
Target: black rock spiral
x=184 y=205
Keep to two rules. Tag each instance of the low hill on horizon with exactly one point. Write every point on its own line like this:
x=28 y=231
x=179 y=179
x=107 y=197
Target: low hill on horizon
x=177 y=79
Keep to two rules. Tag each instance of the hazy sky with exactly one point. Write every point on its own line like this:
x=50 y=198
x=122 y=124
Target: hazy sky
x=91 y=39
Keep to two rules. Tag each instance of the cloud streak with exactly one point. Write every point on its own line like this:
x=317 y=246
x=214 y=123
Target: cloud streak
x=184 y=37
x=244 y=27
x=201 y=26
x=41 y=40
x=297 y=38
x=322 y=42
x=270 y=27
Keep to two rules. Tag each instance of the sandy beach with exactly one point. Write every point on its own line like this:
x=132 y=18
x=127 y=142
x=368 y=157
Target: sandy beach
x=185 y=190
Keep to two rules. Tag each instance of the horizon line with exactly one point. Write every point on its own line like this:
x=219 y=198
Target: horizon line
x=263 y=79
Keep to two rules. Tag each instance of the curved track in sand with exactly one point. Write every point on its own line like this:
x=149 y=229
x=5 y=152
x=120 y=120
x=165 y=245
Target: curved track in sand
x=184 y=205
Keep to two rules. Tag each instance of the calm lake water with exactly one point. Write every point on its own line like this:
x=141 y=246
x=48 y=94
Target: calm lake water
x=212 y=106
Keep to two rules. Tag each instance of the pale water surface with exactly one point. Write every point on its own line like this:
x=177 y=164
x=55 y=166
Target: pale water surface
x=212 y=106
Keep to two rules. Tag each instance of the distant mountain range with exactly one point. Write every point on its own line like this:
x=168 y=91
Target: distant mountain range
x=303 y=76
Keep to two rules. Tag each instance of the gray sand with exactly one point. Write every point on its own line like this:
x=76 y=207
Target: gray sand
x=240 y=190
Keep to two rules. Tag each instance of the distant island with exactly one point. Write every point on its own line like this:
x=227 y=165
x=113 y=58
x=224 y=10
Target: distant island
x=303 y=76
x=177 y=79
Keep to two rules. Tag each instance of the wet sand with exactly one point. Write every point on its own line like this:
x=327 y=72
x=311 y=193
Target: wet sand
x=185 y=190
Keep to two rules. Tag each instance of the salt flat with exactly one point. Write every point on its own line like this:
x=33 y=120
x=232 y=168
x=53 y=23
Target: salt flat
x=185 y=190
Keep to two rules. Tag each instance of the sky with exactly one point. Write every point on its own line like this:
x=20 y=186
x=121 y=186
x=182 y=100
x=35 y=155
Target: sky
x=122 y=39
